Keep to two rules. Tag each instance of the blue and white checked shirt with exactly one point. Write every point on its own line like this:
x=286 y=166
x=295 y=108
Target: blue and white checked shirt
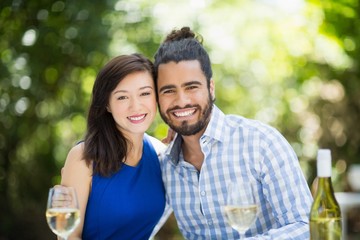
x=236 y=148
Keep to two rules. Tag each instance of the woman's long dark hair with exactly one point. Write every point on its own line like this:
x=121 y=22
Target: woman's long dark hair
x=105 y=146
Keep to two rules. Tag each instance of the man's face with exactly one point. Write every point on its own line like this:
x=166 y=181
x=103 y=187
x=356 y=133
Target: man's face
x=185 y=101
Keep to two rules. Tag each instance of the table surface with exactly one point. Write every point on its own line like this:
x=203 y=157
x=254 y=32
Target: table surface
x=348 y=199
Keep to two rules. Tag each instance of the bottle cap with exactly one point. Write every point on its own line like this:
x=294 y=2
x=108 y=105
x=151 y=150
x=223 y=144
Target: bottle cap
x=323 y=163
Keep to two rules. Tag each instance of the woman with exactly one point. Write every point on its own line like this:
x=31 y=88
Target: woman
x=116 y=170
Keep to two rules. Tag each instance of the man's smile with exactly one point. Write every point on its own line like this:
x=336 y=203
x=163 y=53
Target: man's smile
x=183 y=112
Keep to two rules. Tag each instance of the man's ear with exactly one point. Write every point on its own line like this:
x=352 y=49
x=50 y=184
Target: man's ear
x=212 y=89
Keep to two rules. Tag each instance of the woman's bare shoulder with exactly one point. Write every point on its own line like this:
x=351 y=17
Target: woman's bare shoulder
x=75 y=162
x=77 y=151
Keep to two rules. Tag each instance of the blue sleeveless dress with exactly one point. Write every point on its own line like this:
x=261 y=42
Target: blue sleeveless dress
x=128 y=204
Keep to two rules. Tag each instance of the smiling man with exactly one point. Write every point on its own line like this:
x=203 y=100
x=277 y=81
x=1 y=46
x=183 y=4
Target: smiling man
x=212 y=149
x=186 y=86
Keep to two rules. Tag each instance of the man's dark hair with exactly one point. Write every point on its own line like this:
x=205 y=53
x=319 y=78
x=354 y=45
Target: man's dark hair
x=183 y=45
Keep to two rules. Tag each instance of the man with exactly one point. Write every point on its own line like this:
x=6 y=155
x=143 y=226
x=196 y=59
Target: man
x=212 y=149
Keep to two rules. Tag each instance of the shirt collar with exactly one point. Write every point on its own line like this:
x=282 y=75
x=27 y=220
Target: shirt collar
x=216 y=126
x=214 y=131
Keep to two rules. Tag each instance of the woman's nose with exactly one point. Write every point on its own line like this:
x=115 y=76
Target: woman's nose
x=134 y=103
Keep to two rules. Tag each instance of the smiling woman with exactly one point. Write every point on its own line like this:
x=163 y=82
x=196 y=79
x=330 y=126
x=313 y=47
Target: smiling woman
x=133 y=104
x=116 y=170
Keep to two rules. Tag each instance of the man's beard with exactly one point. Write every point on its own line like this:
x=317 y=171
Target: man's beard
x=186 y=129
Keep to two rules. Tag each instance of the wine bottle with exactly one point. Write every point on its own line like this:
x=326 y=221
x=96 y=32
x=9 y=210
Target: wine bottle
x=325 y=214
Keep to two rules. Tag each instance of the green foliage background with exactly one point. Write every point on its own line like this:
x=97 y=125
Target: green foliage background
x=294 y=66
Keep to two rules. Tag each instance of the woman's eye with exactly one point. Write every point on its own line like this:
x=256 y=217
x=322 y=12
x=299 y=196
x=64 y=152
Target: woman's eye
x=121 y=98
x=145 y=93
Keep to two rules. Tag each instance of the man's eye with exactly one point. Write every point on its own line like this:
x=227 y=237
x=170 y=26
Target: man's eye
x=192 y=87
x=168 y=91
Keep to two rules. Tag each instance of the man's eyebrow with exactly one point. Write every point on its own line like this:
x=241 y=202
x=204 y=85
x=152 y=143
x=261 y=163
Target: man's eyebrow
x=191 y=83
x=171 y=86
x=167 y=87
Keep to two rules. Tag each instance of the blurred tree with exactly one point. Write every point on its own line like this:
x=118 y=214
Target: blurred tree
x=339 y=105
x=50 y=52
x=46 y=48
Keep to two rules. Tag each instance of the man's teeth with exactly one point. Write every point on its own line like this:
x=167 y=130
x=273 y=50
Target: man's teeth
x=184 y=113
x=137 y=118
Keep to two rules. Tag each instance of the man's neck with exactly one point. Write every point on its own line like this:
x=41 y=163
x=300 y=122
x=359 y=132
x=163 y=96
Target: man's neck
x=192 y=150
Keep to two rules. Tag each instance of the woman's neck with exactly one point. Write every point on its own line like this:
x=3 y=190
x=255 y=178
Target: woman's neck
x=135 y=150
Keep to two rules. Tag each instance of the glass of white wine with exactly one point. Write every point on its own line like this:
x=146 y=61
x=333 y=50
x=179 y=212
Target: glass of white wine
x=241 y=208
x=62 y=212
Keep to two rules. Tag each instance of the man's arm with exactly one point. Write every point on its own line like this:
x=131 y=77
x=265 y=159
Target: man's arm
x=286 y=191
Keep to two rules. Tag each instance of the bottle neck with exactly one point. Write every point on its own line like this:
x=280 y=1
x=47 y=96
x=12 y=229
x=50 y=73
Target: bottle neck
x=325 y=185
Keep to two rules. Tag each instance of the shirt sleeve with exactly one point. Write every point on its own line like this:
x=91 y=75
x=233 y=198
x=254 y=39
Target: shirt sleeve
x=285 y=189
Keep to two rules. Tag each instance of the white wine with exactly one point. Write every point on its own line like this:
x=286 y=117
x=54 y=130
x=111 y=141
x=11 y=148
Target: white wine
x=325 y=214
x=326 y=228
x=241 y=217
x=63 y=221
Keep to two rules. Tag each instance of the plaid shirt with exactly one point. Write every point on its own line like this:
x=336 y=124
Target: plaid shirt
x=236 y=148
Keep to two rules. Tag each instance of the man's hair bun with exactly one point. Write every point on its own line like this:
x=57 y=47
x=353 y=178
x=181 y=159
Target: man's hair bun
x=183 y=33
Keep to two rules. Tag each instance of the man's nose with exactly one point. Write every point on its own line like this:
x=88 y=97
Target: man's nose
x=182 y=99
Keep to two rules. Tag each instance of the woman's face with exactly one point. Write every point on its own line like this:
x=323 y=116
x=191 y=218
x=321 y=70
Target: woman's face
x=133 y=103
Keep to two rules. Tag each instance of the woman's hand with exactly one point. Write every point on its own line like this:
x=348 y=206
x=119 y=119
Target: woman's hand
x=170 y=136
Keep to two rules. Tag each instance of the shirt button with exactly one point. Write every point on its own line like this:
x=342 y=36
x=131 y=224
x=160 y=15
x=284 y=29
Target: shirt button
x=210 y=222
x=203 y=193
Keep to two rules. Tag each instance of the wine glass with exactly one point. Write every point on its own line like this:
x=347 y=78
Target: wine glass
x=241 y=207
x=62 y=212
